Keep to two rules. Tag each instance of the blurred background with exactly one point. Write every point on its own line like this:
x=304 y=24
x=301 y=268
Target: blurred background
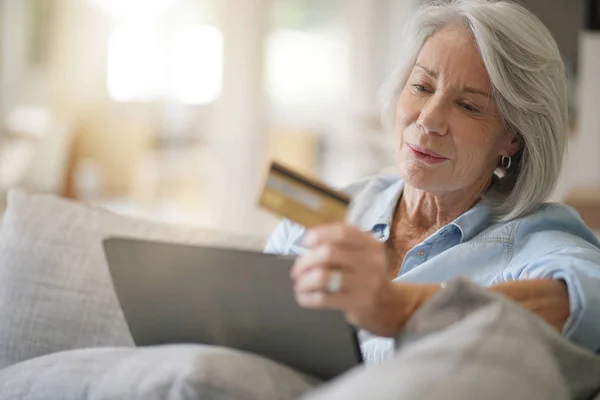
x=173 y=109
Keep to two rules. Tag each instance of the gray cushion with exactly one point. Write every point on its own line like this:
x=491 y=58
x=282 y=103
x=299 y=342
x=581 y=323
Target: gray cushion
x=469 y=343
x=55 y=288
x=175 y=372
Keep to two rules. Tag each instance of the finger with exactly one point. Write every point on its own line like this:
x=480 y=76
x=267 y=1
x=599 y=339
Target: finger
x=330 y=256
x=340 y=234
x=326 y=255
x=323 y=300
x=317 y=279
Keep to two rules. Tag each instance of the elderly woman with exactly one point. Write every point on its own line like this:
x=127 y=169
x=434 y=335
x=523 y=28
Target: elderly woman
x=479 y=109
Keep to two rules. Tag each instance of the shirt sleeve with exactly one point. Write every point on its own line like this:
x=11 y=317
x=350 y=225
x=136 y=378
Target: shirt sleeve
x=278 y=241
x=579 y=268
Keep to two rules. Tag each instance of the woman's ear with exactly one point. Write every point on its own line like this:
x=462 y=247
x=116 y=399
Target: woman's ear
x=515 y=145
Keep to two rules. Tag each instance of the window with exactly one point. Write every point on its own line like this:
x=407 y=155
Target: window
x=164 y=51
x=307 y=56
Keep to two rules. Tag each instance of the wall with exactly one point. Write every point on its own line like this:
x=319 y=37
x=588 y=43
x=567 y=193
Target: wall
x=582 y=167
x=565 y=19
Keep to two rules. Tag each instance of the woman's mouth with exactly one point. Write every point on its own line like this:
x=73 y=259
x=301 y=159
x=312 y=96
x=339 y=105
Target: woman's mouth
x=426 y=155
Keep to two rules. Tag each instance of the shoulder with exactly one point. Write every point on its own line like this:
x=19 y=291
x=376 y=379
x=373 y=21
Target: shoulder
x=371 y=185
x=373 y=199
x=550 y=228
x=553 y=221
x=367 y=199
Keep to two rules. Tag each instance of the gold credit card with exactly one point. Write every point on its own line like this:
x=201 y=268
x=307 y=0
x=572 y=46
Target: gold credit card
x=301 y=199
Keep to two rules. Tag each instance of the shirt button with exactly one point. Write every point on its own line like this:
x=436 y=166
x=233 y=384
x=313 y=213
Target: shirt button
x=421 y=253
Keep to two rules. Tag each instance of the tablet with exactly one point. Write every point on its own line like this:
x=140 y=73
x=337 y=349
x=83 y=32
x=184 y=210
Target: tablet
x=173 y=293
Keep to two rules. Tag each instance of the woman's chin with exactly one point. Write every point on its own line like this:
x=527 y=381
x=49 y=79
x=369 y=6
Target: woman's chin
x=423 y=185
x=423 y=179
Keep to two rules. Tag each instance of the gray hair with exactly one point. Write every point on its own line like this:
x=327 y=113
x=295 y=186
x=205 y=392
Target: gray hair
x=529 y=86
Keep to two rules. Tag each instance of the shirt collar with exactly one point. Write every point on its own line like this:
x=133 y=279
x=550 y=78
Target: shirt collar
x=473 y=221
x=380 y=214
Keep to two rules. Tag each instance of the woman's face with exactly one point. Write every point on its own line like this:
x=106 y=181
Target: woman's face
x=450 y=133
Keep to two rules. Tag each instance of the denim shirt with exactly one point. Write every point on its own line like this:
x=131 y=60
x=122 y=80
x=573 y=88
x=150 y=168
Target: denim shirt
x=550 y=243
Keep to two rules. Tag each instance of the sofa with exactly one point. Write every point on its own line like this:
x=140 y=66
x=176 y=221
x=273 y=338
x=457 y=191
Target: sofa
x=62 y=326
x=63 y=335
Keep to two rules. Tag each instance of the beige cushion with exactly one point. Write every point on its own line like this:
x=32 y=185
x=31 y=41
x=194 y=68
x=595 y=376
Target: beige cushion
x=55 y=289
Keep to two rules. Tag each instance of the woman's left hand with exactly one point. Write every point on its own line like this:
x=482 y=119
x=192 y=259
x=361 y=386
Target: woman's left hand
x=347 y=269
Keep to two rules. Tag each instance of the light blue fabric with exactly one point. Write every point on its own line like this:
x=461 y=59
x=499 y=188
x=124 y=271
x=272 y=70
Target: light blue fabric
x=552 y=242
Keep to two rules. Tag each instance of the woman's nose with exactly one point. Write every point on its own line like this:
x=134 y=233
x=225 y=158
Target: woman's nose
x=433 y=118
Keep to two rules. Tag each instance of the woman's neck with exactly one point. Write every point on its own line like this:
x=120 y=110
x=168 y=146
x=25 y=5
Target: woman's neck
x=425 y=212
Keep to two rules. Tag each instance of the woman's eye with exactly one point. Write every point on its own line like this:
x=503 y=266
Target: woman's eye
x=470 y=108
x=419 y=88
